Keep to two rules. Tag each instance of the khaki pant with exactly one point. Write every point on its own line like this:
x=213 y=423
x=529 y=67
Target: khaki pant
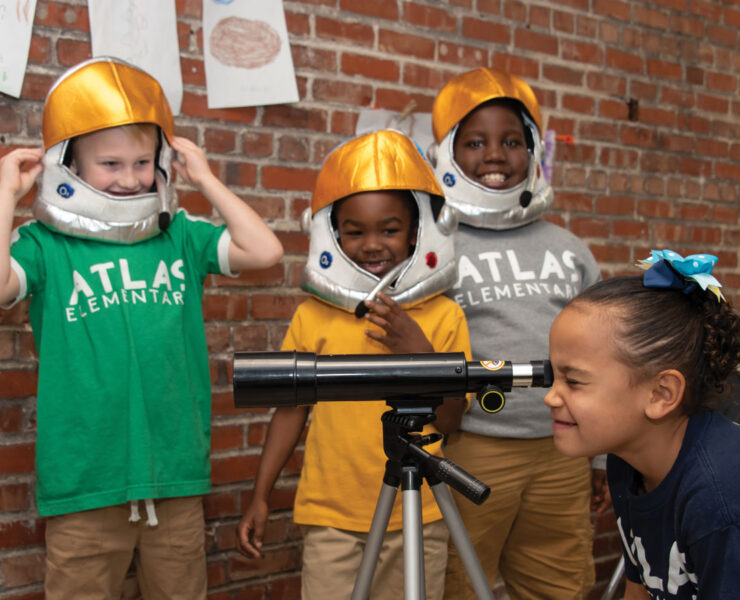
x=535 y=528
x=331 y=559
x=88 y=553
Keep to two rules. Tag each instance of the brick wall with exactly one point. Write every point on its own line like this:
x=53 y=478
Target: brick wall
x=648 y=90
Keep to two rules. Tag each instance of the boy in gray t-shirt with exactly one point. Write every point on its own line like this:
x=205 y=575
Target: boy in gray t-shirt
x=515 y=274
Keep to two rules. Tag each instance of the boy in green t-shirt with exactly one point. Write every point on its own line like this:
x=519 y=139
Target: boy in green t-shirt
x=115 y=276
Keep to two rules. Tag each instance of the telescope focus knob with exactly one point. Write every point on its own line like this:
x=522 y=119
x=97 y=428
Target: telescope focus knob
x=491 y=399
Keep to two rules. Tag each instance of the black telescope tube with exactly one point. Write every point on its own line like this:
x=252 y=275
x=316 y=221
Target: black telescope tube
x=267 y=379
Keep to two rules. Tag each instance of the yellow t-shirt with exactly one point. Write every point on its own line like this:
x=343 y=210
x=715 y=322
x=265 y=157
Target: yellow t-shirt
x=344 y=460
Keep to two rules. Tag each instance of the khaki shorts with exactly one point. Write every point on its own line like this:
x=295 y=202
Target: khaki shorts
x=331 y=559
x=535 y=528
x=88 y=553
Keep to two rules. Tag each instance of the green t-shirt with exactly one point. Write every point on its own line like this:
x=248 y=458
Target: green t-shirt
x=124 y=399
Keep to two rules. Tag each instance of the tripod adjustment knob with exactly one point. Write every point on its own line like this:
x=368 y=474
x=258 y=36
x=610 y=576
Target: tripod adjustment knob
x=491 y=399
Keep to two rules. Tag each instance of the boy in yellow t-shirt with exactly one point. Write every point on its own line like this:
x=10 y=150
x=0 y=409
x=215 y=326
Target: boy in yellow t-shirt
x=377 y=214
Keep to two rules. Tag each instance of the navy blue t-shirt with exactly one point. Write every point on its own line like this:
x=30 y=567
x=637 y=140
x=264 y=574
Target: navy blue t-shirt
x=682 y=539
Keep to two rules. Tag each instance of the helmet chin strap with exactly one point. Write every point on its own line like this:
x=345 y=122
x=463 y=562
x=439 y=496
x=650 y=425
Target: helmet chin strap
x=362 y=309
x=165 y=218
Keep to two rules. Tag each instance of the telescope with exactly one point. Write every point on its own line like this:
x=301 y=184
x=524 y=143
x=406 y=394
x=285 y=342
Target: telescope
x=275 y=379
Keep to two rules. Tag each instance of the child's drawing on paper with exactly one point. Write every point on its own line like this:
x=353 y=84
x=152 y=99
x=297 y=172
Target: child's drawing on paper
x=16 y=23
x=244 y=43
x=247 y=54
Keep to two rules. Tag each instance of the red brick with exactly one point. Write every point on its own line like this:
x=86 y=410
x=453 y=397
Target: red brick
x=655 y=209
x=17 y=383
x=16 y=534
x=612 y=85
x=63 y=16
x=274 y=307
x=342 y=92
x=651 y=18
x=721 y=81
x=393 y=43
x=233 y=469
x=669 y=233
x=286 y=178
x=35 y=86
x=355 y=33
x=220 y=141
x=708 y=11
x=536 y=42
x=687 y=26
x=581 y=52
x=480 y=29
x=297 y=24
x=71 y=52
x=257 y=144
x=226 y=438
x=638 y=136
x=11 y=418
x=40 y=50
x=385 y=9
x=630 y=229
x=459 y=54
x=528 y=69
x=316 y=59
x=294 y=117
x=193 y=71
x=624 y=61
x=370 y=67
x=240 y=174
x=23 y=569
x=252 y=338
x=398 y=101
x=196 y=106
x=563 y=75
x=590 y=228
x=432 y=16
x=706 y=235
x=514 y=10
x=664 y=69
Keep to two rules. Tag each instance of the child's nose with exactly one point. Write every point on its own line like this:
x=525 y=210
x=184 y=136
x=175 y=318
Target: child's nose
x=128 y=178
x=552 y=398
x=493 y=152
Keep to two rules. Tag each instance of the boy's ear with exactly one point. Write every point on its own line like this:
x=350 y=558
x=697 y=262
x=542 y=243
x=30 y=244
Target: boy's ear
x=666 y=395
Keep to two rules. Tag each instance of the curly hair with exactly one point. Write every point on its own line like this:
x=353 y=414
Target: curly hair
x=657 y=329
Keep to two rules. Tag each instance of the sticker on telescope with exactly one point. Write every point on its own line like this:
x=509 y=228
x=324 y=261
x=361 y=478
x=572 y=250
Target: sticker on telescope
x=492 y=365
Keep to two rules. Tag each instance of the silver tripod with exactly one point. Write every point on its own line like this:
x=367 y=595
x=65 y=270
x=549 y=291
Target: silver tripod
x=408 y=464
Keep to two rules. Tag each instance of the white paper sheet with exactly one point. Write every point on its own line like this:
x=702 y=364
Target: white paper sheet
x=144 y=33
x=247 y=54
x=418 y=126
x=16 y=23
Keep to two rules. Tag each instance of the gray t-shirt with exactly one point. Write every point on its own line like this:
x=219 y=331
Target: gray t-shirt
x=511 y=285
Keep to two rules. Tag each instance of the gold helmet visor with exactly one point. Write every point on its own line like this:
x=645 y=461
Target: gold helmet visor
x=468 y=90
x=101 y=93
x=382 y=160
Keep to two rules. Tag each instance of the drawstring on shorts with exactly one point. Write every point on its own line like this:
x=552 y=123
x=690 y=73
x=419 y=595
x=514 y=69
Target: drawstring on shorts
x=151 y=514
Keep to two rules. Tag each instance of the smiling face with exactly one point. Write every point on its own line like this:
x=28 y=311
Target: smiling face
x=595 y=403
x=119 y=160
x=490 y=147
x=376 y=229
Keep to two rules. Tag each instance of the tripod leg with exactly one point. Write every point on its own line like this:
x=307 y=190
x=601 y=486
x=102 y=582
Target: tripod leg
x=374 y=541
x=413 y=543
x=462 y=542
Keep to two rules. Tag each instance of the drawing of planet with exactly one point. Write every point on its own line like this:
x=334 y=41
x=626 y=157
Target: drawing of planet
x=244 y=43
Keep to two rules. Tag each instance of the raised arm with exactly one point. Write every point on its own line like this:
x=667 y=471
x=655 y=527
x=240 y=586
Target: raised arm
x=285 y=428
x=253 y=244
x=18 y=172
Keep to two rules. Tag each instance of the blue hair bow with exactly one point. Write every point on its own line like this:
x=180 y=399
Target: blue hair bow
x=668 y=269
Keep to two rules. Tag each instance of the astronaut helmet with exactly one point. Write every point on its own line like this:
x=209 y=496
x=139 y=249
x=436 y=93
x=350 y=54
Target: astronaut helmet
x=476 y=204
x=98 y=94
x=385 y=160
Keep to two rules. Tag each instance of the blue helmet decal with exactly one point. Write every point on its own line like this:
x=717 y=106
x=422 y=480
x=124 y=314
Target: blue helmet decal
x=65 y=190
x=325 y=259
x=448 y=179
